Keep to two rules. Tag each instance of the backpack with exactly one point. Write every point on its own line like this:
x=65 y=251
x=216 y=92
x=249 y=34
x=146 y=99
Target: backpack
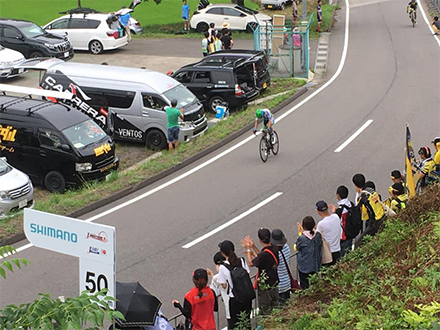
x=242 y=289
x=353 y=220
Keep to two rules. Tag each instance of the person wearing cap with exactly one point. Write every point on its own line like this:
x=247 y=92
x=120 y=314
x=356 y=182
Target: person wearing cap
x=396 y=177
x=330 y=228
x=234 y=308
x=200 y=303
x=398 y=197
x=278 y=239
x=173 y=115
x=266 y=260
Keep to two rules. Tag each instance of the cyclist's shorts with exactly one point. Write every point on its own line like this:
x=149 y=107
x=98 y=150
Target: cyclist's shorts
x=267 y=120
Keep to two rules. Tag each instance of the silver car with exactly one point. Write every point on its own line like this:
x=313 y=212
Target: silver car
x=16 y=190
x=135 y=26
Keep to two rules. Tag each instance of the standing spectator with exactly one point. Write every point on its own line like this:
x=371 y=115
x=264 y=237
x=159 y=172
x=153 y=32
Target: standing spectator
x=217 y=44
x=212 y=32
x=309 y=247
x=359 y=183
x=427 y=173
x=173 y=116
x=278 y=239
x=319 y=16
x=330 y=228
x=266 y=260
x=200 y=303
x=435 y=25
x=436 y=143
x=398 y=197
x=124 y=18
x=396 y=177
x=343 y=205
x=294 y=12
x=219 y=259
x=235 y=306
x=186 y=12
x=227 y=40
x=225 y=28
x=205 y=43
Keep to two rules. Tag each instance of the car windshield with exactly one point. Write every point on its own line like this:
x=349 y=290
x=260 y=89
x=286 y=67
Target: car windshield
x=32 y=30
x=84 y=134
x=4 y=167
x=181 y=94
x=247 y=10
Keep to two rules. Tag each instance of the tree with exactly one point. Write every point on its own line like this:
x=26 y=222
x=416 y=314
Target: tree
x=46 y=313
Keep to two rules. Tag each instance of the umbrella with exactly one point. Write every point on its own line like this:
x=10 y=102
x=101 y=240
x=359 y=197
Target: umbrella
x=138 y=306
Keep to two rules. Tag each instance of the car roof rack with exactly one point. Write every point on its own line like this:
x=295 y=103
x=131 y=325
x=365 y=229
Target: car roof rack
x=37 y=107
x=81 y=10
x=6 y=105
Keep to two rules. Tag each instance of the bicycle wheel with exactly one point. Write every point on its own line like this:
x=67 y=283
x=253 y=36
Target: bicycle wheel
x=276 y=145
x=413 y=19
x=264 y=152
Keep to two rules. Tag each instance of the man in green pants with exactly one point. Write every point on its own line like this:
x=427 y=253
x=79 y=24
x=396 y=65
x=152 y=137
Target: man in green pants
x=173 y=115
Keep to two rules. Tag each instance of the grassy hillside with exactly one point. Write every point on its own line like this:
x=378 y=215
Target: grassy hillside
x=391 y=282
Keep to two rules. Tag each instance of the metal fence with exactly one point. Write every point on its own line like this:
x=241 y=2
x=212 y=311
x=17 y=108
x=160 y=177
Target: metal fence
x=180 y=318
x=286 y=45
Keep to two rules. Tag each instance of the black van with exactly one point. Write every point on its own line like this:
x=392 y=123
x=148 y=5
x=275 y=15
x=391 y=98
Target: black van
x=54 y=144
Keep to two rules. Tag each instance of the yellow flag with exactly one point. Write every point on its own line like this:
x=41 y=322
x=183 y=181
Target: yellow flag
x=409 y=158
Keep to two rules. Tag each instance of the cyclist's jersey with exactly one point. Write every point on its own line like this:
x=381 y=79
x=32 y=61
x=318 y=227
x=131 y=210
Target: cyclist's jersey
x=266 y=115
x=412 y=5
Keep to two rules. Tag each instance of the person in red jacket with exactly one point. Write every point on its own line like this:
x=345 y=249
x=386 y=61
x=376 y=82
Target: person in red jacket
x=200 y=303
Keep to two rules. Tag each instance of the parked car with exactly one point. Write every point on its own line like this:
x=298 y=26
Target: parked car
x=238 y=17
x=135 y=26
x=16 y=190
x=32 y=41
x=54 y=144
x=232 y=81
x=90 y=31
x=275 y=4
x=8 y=60
x=257 y=58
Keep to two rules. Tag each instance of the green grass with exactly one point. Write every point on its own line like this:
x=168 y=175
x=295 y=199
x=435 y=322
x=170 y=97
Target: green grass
x=93 y=191
x=147 y=13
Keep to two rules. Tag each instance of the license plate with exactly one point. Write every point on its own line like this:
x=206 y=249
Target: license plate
x=20 y=70
x=269 y=6
x=22 y=204
x=264 y=85
x=66 y=54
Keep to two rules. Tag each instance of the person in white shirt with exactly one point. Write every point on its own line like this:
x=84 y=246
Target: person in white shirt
x=330 y=228
x=215 y=285
x=227 y=249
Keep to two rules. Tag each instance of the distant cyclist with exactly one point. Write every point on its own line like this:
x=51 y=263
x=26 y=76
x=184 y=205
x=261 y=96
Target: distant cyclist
x=412 y=7
x=268 y=121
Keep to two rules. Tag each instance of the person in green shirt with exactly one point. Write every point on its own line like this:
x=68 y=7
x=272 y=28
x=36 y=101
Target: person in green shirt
x=173 y=115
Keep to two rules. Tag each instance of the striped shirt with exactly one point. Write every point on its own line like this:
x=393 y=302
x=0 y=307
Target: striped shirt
x=283 y=275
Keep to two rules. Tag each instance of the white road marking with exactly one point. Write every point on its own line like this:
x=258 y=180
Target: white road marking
x=354 y=136
x=425 y=18
x=230 y=222
x=224 y=153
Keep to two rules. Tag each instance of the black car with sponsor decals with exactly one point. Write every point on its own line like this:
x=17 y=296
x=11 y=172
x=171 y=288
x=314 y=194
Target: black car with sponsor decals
x=56 y=145
x=214 y=82
x=32 y=41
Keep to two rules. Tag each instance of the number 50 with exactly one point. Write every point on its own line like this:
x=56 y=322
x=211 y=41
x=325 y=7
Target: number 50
x=100 y=283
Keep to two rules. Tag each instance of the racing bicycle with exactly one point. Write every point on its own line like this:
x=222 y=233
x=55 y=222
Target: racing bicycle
x=412 y=17
x=267 y=144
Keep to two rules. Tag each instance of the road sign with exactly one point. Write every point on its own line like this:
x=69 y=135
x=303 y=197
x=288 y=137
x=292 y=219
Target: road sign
x=92 y=243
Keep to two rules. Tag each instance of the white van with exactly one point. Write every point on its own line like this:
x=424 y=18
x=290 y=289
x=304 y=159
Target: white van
x=137 y=97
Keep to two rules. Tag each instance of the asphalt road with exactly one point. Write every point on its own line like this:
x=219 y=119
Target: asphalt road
x=391 y=75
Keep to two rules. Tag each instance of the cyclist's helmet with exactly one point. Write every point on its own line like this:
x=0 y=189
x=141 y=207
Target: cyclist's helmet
x=258 y=113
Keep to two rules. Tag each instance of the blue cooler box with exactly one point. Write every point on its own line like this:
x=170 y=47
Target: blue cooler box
x=220 y=111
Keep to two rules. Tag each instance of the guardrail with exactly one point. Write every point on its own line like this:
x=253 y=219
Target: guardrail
x=175 y=318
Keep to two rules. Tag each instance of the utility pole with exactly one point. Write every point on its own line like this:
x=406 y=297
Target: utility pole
x=304 y=10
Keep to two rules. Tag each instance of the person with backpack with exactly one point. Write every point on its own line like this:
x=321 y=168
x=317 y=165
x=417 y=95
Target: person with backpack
x=309 y=247
x=266 y=260
x=200 y=303
x=427 y=173
x=398 y=197
x=284 y=274
x=350 y=226
x=233 y=276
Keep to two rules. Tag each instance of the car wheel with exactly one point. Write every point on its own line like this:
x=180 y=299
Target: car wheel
x=155 y=140
x=250 y=28
x=133 y=32
x=96 y=47
x=54 y=182
x=36 y=55
x=202 y=27
x=214 y=102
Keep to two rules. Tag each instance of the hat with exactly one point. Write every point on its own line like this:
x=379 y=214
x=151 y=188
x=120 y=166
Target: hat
x=321 y=206
x=225 y=25
x=278 y=238
x=436 y=140
x=264 y=235
x=200 y=274
x=226 y=247
x=396 y=174
x=218 y=258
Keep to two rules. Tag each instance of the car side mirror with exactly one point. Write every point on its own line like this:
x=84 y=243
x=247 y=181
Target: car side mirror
x=65 y=147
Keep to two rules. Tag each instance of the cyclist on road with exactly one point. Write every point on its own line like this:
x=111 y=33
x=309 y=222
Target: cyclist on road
x=268 y=121
x=412 y=6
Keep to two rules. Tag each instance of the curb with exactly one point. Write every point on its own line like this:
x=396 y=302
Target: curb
x=127 y=191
